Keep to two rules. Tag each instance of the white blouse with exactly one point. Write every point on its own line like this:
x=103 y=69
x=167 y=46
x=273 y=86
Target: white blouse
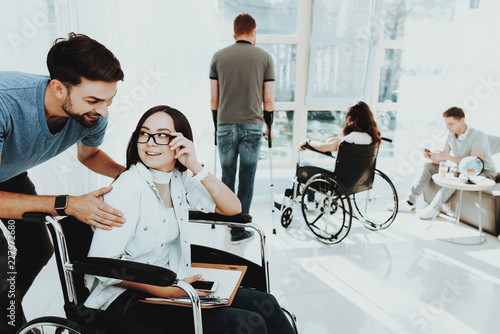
x=359 y=138
x=152 y=233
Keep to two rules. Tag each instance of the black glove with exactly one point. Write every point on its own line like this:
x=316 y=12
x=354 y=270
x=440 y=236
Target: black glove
x=269 y=118
x=214 y=118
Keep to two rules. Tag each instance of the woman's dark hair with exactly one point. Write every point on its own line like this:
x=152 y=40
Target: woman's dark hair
x=81 y=56
x=360 y=118
x=181 y=124
x=455 y=112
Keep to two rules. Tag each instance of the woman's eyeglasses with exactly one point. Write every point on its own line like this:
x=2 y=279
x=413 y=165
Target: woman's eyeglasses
x=158 y=138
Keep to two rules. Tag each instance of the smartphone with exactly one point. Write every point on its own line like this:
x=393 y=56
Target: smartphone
x=206 y=286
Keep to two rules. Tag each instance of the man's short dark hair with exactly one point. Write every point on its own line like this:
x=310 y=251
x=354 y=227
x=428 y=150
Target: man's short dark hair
x=244 y=24
x=81 y=56
x=455 y=112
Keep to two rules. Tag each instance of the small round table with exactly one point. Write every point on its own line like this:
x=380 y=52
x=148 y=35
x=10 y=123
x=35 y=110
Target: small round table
x=449 y=181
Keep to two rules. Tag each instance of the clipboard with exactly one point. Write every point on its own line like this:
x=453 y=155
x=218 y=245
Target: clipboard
x=228 y=276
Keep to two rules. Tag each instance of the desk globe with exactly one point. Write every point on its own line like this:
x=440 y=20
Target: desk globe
x=470 y=167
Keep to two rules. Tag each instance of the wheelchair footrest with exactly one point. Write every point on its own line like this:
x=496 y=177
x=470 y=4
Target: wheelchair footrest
x=278 y=205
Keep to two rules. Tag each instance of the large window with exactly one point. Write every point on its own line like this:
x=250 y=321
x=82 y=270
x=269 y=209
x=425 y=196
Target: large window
x=274 y=17
x=341 y=44
x=408 y=59
x=284 y=58
x=417 y=37
x=283 y=137
x=277 y=29
x=414 y=72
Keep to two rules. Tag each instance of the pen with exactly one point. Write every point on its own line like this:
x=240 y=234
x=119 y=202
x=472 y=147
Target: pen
x=201 y=298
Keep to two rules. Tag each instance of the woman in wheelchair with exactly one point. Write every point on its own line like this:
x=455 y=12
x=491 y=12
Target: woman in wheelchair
x=330 y=197
x=360 y=128
x=154 y=193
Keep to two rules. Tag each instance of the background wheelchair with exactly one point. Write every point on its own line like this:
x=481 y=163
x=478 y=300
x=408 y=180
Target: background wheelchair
x=330 y=199
x=71 y=240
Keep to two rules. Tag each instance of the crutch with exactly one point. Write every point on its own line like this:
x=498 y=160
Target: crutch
x=214 y=118
x=268 y=119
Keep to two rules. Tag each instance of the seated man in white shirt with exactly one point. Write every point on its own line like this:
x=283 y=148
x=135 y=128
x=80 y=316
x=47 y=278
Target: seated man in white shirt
x=463 y=141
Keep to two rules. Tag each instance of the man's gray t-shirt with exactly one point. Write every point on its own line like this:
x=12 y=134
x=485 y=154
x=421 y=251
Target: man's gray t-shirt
x=241 y=70
x=474 y=140
x=25 y=139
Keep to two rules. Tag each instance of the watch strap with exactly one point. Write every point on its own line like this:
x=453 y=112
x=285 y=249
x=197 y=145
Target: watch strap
x=61 y=204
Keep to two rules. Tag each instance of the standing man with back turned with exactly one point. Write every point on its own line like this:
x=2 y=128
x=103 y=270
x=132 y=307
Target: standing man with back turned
x=40 y=117
x=241 y=80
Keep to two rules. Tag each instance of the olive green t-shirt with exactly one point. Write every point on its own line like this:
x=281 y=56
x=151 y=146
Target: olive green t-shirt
x=241 y=70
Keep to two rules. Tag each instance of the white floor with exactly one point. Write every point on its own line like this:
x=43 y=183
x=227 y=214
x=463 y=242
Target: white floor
x=400 y=280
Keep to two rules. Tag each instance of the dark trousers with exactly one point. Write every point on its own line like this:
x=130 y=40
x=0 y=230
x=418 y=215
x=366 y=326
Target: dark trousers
x=34 y=250
x=252 y=312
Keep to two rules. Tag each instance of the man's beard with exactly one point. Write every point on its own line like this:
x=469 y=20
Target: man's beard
x=67 y=106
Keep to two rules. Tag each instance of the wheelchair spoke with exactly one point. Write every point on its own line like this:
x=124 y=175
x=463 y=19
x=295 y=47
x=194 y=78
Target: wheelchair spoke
x=314 y=222
x=328 y=220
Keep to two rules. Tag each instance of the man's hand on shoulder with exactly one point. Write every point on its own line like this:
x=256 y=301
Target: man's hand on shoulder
x=89 y=209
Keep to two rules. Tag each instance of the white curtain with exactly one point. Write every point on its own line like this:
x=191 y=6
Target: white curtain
x=164 y=47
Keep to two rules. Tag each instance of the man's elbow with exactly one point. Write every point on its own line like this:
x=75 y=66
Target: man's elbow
x=214 y=104
x=269 y=104
x=81 y=159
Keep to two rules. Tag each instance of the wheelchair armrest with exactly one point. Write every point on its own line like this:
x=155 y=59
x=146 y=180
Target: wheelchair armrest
x=35 y=217
x=309 y=147
x=125 y=270
x=387 y=139
x=216 y=217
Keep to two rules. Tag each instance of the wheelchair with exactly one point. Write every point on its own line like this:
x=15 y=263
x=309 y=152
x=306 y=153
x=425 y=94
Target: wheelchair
x=330 y=199
x=72 y=239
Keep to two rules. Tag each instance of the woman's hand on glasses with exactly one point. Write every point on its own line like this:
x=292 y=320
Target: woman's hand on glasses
x=184 y=152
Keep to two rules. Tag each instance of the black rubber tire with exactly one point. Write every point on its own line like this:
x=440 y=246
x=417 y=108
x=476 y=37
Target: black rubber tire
x=382 y=206
x=61 y=325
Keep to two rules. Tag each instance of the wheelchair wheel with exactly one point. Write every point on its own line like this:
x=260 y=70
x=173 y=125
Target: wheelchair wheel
x=372 y=205
x=326 y=209
x=55 y=325
x=287 y=217
x=292 y=191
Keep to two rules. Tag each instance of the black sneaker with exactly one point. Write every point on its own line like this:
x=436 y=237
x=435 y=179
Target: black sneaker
x=247 y=235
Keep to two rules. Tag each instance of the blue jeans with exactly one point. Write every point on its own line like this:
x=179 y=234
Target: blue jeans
x=243 y=140
x=423 y=181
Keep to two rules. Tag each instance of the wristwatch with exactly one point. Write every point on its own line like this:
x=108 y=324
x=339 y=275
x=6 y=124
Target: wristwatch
x=61 y=204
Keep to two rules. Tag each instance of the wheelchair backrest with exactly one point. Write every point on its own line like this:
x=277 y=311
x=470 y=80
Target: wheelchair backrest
x=355 y=166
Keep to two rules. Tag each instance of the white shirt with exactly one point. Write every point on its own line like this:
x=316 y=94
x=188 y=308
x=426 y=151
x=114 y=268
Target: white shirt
x=358 y=138
x=142 y=238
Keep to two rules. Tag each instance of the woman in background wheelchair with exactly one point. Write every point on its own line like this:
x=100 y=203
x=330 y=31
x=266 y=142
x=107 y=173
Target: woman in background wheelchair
x=154 y=193
x=360 y=128
x=331 y=197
